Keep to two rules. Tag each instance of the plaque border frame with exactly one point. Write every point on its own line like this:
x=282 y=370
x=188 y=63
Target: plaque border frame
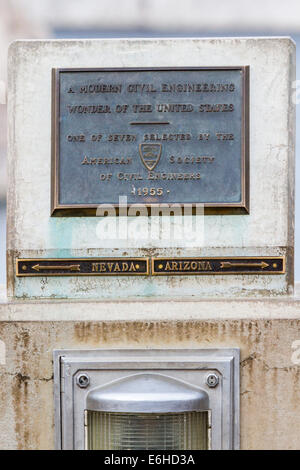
x=216 y=273
x=75 y=210
x=150 y=271
x=112 y=259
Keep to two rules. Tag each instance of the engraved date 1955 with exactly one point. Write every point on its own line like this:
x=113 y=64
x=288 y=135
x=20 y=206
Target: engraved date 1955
x=148 y=191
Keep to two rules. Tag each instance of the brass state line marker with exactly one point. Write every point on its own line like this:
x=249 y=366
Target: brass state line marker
x=229 y=264
x=72 y=267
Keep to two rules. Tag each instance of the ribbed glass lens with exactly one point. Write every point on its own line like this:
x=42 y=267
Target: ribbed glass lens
x=147 y=431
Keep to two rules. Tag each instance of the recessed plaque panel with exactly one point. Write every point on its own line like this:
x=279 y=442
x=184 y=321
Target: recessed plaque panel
x=155 y=136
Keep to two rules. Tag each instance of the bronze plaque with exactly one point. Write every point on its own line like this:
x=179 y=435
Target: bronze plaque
x=82 y=267
x=156 y=136
x=141 y=266
x=227 y=265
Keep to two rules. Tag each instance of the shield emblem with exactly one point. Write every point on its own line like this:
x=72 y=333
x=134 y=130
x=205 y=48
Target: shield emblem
x=150 y=155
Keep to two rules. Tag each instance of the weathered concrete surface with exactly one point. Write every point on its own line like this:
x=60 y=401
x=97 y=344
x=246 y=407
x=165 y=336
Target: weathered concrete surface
x=267 y=230
x=270 y=382
x=153 y=309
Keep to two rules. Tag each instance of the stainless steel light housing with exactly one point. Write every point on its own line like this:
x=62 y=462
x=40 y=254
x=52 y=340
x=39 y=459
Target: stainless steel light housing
x=147 y=411
x=147 y=399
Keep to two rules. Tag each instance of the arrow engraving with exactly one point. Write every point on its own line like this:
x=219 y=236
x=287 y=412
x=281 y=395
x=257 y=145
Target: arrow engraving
x=229 y=264
x=71 y=267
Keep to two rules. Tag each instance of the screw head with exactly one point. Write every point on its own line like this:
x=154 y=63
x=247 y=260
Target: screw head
x=212 y=380
x=83 y=380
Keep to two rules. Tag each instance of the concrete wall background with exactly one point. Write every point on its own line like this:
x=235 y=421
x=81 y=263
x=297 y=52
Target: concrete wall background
x=21 y=19
x=267 y=231
x=270 y=382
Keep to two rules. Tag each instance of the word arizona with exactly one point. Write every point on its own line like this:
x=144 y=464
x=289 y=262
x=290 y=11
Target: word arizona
x=188 y=266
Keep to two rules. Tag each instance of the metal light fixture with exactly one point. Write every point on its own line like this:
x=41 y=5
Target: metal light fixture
x=147 y=399
x=147 y=411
